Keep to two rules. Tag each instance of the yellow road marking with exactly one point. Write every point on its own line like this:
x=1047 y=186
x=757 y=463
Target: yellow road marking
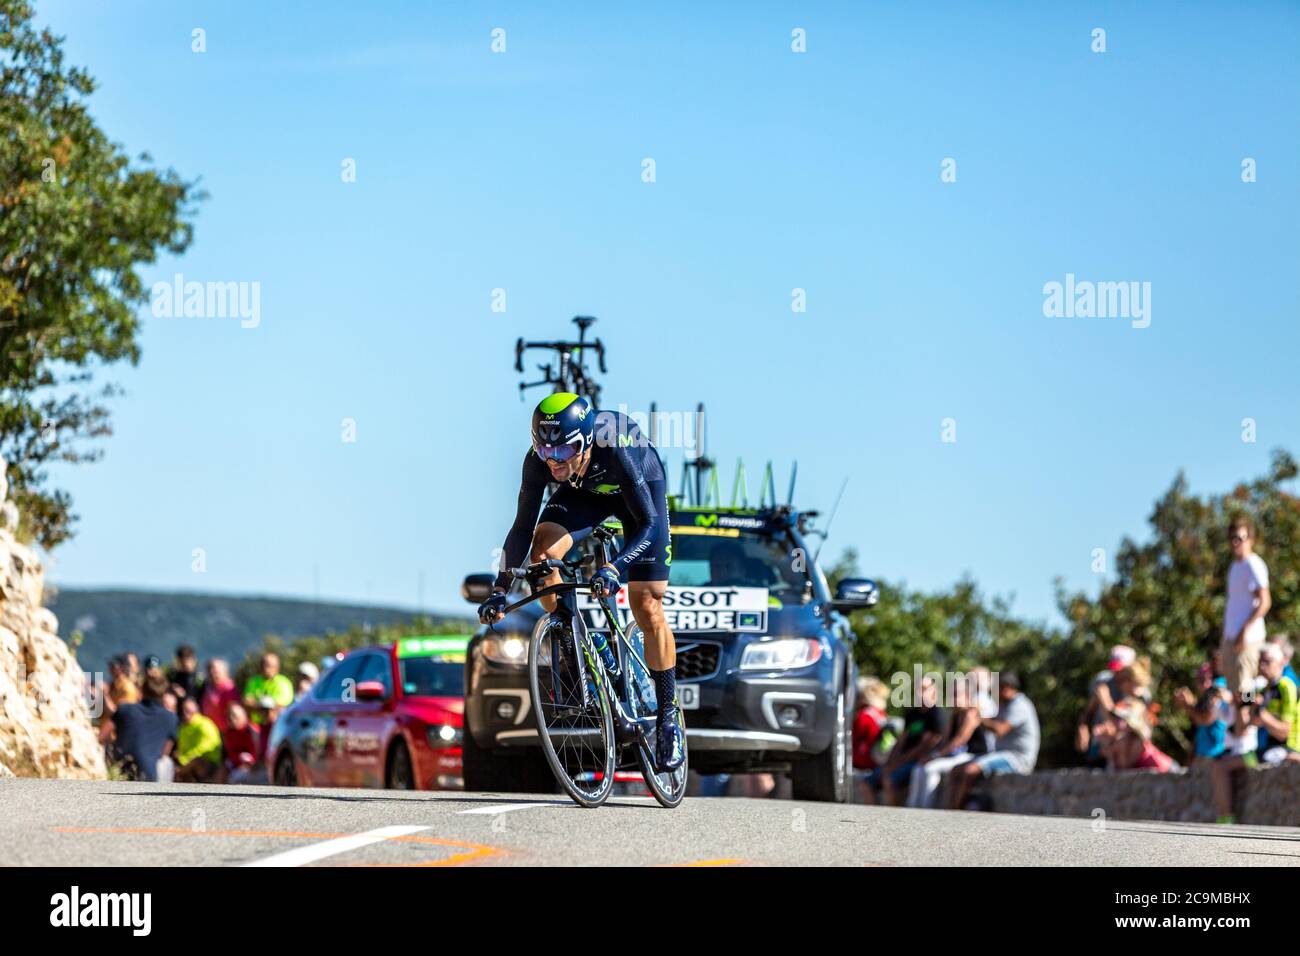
x=474 y=851
x=721 y=862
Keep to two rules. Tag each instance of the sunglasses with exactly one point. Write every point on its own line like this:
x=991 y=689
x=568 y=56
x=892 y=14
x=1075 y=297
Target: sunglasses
x=558 y=453
x=1237 y=538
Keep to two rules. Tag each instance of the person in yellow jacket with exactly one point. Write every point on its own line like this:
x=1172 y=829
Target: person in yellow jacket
x=198 y=745
x=268 y=682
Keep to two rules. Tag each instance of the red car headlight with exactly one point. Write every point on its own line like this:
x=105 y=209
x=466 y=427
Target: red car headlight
x=444 y=735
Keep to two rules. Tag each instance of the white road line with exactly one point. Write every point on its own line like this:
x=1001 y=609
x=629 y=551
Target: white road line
x=318 y=851
x=511 y=807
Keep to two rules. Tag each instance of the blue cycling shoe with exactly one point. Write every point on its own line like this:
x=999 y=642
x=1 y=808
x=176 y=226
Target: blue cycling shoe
x=670 y=739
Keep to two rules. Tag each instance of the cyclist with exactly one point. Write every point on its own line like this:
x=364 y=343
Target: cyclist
x=605 y=467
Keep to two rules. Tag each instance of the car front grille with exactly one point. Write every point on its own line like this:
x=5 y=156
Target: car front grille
x=697 y=660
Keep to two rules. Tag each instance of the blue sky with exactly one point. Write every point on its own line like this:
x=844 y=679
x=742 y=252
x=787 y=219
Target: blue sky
x=774 y=170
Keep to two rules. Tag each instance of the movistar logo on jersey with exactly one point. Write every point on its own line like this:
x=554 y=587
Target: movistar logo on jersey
x=706 y=521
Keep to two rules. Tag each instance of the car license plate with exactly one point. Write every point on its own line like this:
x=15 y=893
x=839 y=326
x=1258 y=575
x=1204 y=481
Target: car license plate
x=688 y=695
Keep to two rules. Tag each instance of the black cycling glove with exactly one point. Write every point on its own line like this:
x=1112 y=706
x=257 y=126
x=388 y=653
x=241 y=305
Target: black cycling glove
x=491 y=610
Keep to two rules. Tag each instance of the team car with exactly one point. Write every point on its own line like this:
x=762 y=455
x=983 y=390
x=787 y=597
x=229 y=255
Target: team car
x=765 y=672
x=386 y=716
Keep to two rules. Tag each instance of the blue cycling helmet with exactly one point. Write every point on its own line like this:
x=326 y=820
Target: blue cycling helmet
x=564 y=425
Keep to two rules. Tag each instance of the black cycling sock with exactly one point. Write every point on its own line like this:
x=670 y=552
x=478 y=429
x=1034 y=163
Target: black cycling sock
x=665 y=687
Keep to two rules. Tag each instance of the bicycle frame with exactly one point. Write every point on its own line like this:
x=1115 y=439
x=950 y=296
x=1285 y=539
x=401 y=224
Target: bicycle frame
x=629 y=727
x=626 y=726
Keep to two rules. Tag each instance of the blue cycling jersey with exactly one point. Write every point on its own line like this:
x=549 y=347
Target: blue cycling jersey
x=624 y=478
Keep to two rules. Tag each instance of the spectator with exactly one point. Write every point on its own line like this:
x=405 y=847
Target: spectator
x=133 y=668
x=1283 y=643
x=270 y=713
x=308 y=673
x=242 y=744
x=1248 y=602
x=198 y=745
x=1240 y=740
x=923 y=729
x=1276 y=710
x=1211 y=713
x=1277 y=705
x=143 y=733
x=1133 y=683
x=1103 y=694
x=1016 y=748
x=1130 y=746
x=121 y=688
x=965 y=741
x=152 y=669
x=184 y=673
x=869 y=720
x=218 y=692
x=268 y=682
x=985 y=685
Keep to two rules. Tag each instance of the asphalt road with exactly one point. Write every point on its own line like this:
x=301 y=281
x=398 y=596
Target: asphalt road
x=78 y=823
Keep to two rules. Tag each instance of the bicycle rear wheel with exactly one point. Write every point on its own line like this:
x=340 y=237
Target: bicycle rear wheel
x=575 y=725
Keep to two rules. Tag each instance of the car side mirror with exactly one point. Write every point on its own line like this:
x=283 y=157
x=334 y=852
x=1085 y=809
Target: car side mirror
x=852 y=594
x=476 y=588
x=371 y=690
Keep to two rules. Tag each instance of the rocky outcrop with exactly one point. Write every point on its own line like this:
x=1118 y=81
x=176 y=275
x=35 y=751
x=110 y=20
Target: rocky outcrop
x=1269 y=796
x=45 y=730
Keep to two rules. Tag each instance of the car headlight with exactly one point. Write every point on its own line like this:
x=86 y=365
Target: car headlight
x=505 y=649
x=444 y=735
x=781 y=654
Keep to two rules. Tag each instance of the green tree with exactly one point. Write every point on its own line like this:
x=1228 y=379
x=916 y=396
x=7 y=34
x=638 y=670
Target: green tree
x=77 y=218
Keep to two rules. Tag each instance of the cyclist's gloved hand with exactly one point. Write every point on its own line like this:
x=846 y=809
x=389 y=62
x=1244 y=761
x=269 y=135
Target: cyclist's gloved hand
x=604 y=582
x=490 y=611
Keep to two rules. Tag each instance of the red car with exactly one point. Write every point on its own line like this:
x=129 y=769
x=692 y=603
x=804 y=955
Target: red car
x=385 y=716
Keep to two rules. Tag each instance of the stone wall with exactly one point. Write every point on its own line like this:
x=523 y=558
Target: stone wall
x=1269 y=796
x=45 y=730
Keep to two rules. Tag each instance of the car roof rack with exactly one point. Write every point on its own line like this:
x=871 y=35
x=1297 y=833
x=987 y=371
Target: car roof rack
x=699 y=482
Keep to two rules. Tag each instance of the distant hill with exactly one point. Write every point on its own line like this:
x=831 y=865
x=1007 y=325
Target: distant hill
x=217 y=625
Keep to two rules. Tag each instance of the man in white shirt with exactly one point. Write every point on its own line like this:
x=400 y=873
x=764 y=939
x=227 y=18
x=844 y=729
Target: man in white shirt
x=1243 y=615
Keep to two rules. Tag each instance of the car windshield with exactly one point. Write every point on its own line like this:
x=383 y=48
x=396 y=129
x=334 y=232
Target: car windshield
x=745 y=560
x=432 y=677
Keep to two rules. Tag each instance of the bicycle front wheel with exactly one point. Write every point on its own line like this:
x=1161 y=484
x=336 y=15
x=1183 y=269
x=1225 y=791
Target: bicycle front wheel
x=575 y=722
